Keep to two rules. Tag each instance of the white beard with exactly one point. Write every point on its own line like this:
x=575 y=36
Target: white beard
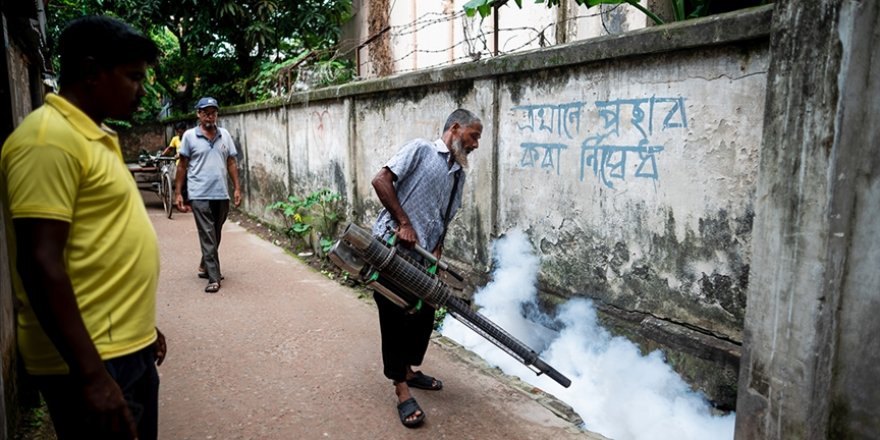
x=459 y=153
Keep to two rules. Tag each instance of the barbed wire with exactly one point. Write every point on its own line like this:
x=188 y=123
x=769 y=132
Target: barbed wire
x=538 y=34
x=476 y=55
x=419 y=25
x=429 y=19
x=418 y=51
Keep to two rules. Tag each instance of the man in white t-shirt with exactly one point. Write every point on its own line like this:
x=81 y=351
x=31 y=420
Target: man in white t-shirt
x=207 y=158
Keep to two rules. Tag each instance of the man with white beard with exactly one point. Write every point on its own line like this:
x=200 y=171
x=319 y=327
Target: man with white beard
x=420 y=188
x=207 y=155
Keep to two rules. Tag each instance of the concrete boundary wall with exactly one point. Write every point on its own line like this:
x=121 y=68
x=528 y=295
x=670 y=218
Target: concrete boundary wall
x=811 y=355
x=630 y=161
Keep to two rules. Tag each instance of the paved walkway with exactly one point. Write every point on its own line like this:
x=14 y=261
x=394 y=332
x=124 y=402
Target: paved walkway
x=282 y=352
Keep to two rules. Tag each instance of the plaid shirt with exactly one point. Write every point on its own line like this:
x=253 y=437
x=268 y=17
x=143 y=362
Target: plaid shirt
x=424 y=186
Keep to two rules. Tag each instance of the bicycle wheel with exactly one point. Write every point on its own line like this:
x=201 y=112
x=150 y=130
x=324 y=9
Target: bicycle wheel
x=166 y=191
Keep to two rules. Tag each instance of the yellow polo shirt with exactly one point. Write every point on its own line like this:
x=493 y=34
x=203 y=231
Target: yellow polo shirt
x=175 y=143
x=60 y=165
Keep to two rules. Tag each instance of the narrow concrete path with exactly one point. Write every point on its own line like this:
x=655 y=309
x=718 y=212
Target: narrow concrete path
x=282 y=352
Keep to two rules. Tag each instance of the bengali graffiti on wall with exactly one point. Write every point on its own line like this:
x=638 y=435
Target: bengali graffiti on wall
x=622 y=131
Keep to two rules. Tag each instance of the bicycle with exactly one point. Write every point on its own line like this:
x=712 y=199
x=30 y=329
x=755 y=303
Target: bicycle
x=167 y=170
x=158 y=172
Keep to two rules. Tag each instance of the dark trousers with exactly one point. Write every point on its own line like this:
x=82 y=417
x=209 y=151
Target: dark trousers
x=137 y=377
x=210 y=216
x=405 y=336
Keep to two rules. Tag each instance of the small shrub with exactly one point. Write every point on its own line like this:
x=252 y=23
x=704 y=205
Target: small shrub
x=312 y=219
x=439 y=316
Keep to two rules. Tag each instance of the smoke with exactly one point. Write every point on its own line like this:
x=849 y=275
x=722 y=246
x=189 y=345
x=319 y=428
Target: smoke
x=617 y=392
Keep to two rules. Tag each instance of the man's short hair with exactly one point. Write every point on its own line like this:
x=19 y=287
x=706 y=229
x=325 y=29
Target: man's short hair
x=462 y=116
x=108 y=41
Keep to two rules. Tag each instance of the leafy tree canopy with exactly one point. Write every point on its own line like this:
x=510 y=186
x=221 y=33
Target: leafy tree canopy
x=229 y=49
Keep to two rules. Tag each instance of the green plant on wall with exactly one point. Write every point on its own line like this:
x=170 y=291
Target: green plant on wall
x=681 y=9
x=312 y=219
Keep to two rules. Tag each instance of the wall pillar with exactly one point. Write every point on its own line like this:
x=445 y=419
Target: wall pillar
x=811 y=355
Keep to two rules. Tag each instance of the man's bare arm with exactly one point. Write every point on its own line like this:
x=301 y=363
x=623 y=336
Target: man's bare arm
x=233 y=171
x=40 y=244
x=383 y=183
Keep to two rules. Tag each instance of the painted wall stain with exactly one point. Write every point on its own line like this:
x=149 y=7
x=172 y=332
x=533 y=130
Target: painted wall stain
x=265 y=189
x=664 y=282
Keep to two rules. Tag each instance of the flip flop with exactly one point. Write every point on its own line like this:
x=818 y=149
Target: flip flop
x=425 y=382
x=212 y=287
x=406 y=409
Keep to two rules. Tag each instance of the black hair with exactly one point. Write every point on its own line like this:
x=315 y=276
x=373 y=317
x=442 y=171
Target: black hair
x=108 y=41
x=180 y=125
x=462 y=116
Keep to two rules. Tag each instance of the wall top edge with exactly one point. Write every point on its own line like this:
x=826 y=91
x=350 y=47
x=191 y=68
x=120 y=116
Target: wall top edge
x=722 y=29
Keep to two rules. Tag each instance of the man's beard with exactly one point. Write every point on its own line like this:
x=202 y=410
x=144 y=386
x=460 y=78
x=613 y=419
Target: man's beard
x=459 y=153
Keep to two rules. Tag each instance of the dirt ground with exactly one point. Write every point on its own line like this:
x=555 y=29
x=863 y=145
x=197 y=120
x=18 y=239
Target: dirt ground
x=292 y=247
x=286 y=351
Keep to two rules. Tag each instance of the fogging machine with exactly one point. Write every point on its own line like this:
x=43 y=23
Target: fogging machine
x=367 y=259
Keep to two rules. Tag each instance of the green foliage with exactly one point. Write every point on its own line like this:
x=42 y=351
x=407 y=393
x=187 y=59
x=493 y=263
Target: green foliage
x=484 y=7
x=681 y=9
x=274 y=79
x=687 y=9
x=221 y=48
x=312 y=219
x=439 y=316
x=333 y=71
x=37 y=417
x=117 y=125
x=34 y=424
x=270 y=80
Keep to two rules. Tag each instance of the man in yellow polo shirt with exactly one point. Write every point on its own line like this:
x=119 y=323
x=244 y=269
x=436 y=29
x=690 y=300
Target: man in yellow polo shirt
x=174 y=144
x=84 y=248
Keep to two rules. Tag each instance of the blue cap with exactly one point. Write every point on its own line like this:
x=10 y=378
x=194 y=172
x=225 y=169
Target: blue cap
x=207 y=101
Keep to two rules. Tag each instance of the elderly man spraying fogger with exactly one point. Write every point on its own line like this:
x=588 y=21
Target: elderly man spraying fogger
x=420 y=188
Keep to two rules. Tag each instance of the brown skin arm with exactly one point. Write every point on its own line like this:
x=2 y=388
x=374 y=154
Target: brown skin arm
x=40 y=244
x=233 y=171
x=160 y=348
x=178 y=184
x=383 y=183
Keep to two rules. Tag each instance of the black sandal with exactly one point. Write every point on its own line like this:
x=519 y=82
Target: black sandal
x=406 y=409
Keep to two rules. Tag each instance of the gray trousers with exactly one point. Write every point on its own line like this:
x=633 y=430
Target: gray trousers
x=210 y=216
